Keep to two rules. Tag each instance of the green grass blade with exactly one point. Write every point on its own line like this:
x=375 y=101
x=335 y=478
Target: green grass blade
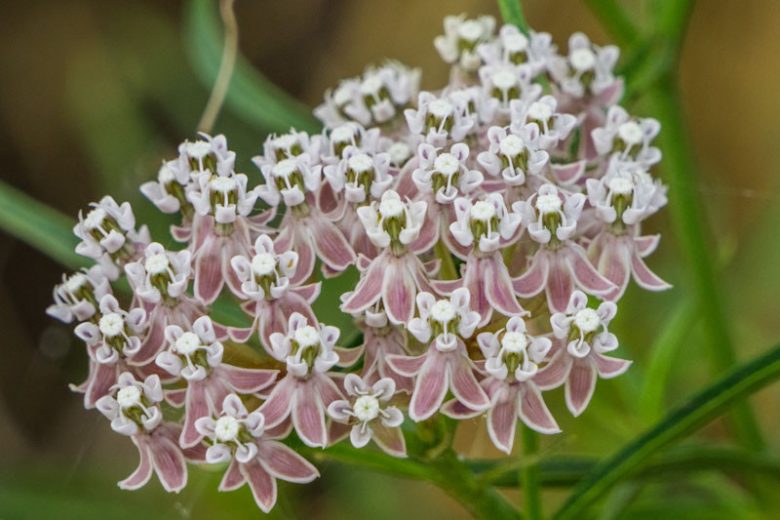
x=250 y=96
x=40 y=226
x=698 y=411
x=512 y=12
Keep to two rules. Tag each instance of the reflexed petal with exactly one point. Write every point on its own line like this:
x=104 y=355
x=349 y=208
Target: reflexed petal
x=247 y=380
x=585 y=274
x=208 y=272
x=407 y=366
x=197 y=407
x=284 y=463
x=465 y=386
x=645 y=277
x=534 y=411
x=100 y=381
x=457 y=410
x=609 y=367
x=369 y=288
x=398 y=292
x=391 y=440
x=559 y=284
x=555 y=373
x=499 y=287
x=168 y=463
x=278 y=405
x=233 y=478
x=430 y=388
x=614 y=265
x=502 y=421
x=330 y=244
x=534 y=279
x=143 y=472
x=580 y=386
x=262 y=484
x=308 y=414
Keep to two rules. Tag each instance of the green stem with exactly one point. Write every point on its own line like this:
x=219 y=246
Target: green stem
x=614 y=18
x=447 y=270
x=228 y=62
x=529 y=475
x=512 y=12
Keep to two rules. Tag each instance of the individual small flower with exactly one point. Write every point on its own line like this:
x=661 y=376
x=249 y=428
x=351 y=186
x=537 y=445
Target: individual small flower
x=458 y=45
x=196 y=357
x=626 y=195
x=513 y=47
x=367 y=411
x=554 y=127
x=237 y=436
x=445 y=175
x=351 y=134
x=265 y=282
x=506 y=83
x=588 y=68
x=108 y=235
x=485 y=226
x=169 y=191
x=277 y=148
x=134 y=411
x=77 y=297
x=439 y=119
x=512 y=359
x=207 y=154
x=444 y=324
x=161 y=276
x=223 y=197
x=307 y=389
x=290 y=180
x=397 y=273
x=359 y=175
x=513 y=156
x=560 y=264
x=578 y=356
x=627 y=138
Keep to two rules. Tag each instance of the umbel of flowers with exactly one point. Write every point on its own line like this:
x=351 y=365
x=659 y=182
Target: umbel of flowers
x=494 y=223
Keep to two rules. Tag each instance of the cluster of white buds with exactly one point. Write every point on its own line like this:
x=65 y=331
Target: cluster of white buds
x=485 y=213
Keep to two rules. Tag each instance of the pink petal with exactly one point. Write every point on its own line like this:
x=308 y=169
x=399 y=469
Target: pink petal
x=457 y=410
x=465 y=386
x=247 y=380
x=391 y=440
x=430 y=388
x=176 y=397
x=331 y=245
x=168 y=463
x=284 y=463
x=197 y=407
x=154 y=341
x=143 y=472
x=278 y=405
x=568 y=173
x=502 y=421
x=405 y=185
x=559 y=284
x=240 y=335
x=613 y=263
x=645 y=277
x=208 y=271
x=534 y=279
x=580 y=386
x=500 y=293
x=328 y=391
x=555 y=373
x=534 y=411
x=308 y=292
x=585 y=274
x=306 y=259
x=348 y=356
x=475 y=280
x=233 y=478
x=398 y=292
x=337 y=432
x=407 y=366
x=646 y=244
x=308 y=415
x=262 y=484
x=369 y=288
x=429 y=235
x=446 y=287
x=100 y=381
x=609 y=367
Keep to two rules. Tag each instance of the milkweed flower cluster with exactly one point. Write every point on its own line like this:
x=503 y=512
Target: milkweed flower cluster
x=494 y=223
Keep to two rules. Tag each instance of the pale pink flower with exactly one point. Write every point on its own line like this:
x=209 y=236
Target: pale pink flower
x=513 y=156
x=77 y=297
x=439 y=119
x=458 y=45
x=196 y=357
x=446 y=364
x=588 y=68
x=554 y=127
x=627 y=138
x=277 y=148
x=367 y=410
x=238 y=437
x=169 y=191
x=578 y=354
x=513 y=47
x=506 y=83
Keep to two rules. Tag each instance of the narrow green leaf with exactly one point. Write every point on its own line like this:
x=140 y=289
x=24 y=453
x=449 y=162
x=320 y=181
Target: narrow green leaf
x=698 y=411
x=40 y=226
x=614 y=17
x=512 y=12
x=251 y=96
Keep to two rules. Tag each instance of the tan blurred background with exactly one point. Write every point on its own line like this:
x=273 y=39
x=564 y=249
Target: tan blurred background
x=94 y=93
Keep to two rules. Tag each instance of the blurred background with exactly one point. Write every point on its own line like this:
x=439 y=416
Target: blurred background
x=95 y=93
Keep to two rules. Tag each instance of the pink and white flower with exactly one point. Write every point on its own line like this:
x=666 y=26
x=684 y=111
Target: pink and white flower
x=458 y=45
x=512 y=46
x=514 y=156
x=588 y=68
x=578 y=355
x=439 y=119
x=554 y=127
x=238 y=437
x=626 y=138
x=77 y=297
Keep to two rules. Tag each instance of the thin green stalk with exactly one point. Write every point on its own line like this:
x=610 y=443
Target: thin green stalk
x=512 y=12
x=614 y=17
x=226 y=66
x=447 y=270
x=529 y=475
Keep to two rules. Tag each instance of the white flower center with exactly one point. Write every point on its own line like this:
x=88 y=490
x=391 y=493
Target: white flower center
x=447 y=164
x=285 y=168
x=342 y=134
x=587 y=320
x=366 y=408
x=371 y=85
x=515 y=42
x=548 y=203
x=440 y=108
x=540 y=111
x=285 y=142
x=95 y=218
x=582 y=59
x=630 y=132
x=307 y=336
x=263 y=264
x=157 y=264
x=443 y=311
x=514 y=342
x=399 y=152
x=342 y=95
x=198 y=149
x=111 y=324
x=470 y=30
x=504 y=79
x=75 y=282
x=187 y=343
x=226 y=429
x=511 y=145
x=391 y=207
x=621 y=185
x=128 y=396
x=360 y=163
x=223 y=184
x=483 y=211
